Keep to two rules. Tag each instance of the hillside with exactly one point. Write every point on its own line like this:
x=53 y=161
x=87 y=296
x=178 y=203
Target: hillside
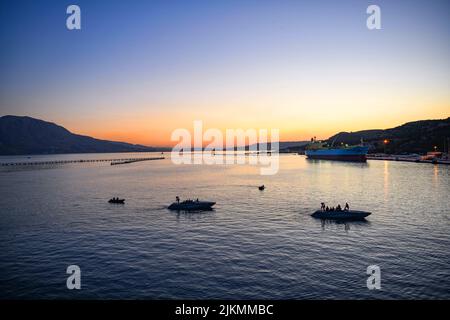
x=26 y=135
x=412 y=137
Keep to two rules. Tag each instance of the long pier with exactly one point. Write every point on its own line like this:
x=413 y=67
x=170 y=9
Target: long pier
x=125 y=161
x=57 y=162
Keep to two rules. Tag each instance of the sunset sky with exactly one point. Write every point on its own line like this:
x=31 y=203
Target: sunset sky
x=140 y=69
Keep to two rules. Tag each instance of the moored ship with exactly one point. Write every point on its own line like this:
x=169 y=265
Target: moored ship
x=321 y=150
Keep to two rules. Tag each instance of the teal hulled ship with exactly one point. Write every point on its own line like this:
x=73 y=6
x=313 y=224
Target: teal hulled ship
x=322 y=150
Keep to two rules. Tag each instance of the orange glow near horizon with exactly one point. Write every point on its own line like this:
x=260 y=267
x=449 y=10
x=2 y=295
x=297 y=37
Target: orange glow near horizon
x=155 y=130
x=298 y=114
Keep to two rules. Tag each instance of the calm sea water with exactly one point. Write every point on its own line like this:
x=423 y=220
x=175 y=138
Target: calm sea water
x=255 y=244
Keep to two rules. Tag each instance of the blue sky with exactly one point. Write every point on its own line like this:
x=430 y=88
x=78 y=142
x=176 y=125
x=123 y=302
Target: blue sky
x=138 y=68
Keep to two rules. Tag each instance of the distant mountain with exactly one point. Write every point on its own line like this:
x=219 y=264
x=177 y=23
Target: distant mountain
x=25 y=135
x=292 y=146
x=411 y=137
x=283 y=146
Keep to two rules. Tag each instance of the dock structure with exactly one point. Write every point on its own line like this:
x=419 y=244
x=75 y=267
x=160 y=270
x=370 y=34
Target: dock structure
x=408 y=159
x=57 y=162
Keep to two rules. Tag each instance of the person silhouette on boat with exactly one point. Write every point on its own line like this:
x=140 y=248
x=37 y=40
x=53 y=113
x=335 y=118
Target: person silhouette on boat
x=197 y=200
x=338 y=208
x=327 y=209
x=347 y=207
x=322 y=206
x=177 y=198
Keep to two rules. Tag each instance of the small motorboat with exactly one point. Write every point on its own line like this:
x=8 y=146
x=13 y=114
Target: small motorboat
x=340 y=214
x=190 y=205
x=119 y=201
x=261 y=187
